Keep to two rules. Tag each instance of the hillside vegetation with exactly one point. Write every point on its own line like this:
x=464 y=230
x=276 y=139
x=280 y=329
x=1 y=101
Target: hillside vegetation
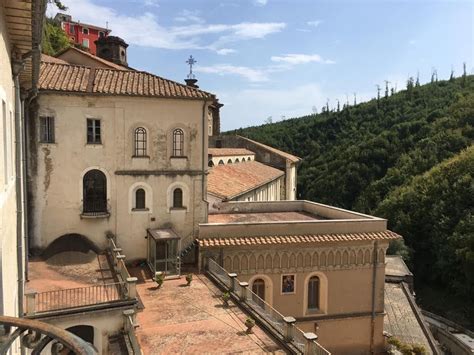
x=407 y=157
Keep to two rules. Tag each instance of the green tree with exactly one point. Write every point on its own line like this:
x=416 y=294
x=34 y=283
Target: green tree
x=54 y=38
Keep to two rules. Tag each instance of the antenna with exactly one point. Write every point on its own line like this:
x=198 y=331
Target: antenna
x=191 y=61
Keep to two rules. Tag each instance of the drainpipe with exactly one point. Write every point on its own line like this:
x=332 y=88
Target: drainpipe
x=374 y=279
x=17 y=67
x=24 y=123
x=204 y=158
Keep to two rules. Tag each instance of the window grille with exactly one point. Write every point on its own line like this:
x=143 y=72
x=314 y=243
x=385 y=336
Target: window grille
x=93 y=131
x=178 y=142
x=47 y=129
x=140 y=199
x=178 y=198
x=140 y=142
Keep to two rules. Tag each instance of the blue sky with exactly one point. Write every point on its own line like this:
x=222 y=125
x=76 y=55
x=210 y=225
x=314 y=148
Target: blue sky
x=280 y=58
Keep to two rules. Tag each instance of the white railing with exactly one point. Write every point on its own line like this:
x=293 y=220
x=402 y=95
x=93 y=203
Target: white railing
x=305 y=343
x=120 y=268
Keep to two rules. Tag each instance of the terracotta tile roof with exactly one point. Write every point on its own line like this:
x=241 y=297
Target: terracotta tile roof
x=75 y=78
x=221 y=152
x=48 y=59
x=296 y=239
x=231 y=180
x=290 y=157
x=111 y=65
x=63 y=77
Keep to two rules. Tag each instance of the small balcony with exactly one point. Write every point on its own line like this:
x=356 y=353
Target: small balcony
x=95 y=209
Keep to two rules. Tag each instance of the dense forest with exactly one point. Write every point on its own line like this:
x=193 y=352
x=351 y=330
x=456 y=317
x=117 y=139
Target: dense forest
x=407 y=157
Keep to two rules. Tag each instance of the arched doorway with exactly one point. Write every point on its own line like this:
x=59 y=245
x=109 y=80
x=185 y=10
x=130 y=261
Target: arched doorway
x=85 y=332
x=258 y=288
x=94 y=192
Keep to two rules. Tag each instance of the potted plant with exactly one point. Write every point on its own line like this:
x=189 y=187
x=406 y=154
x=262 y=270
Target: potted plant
x=226 y=298
x=159 y=278
x=189 y=278
x=249 y=323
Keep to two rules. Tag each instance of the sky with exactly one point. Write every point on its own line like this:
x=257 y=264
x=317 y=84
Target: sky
x=287 y=58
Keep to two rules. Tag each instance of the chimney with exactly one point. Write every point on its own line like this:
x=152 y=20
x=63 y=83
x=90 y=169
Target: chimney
x=113 y=49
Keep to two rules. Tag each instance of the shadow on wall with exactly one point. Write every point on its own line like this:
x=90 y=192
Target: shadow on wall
x=72 y=245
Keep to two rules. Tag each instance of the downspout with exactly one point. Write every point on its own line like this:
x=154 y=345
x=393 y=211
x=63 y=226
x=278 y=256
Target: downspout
x=17 y=67
x=374 y=279
x=24 y=123
x=204 y=158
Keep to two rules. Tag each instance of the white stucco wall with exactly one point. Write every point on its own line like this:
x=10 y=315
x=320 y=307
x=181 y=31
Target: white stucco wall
x=232 y=159
x=8 y=233
x=57 y=182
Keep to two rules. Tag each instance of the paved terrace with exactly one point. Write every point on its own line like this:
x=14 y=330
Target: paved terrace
x=178 y=319
x=260 y=217
x=71 y=279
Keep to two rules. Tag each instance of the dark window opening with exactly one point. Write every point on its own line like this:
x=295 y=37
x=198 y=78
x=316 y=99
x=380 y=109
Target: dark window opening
x=258 y=289
x=229 y=161
x=210 y=164
x=178 y=198
x=93 y=131
x=140 y=199
x=47 y=129
x=95 y=192
x=313 y=293
x=178 y=142
x=221 y=162
x=85 y=31
x=140 y=142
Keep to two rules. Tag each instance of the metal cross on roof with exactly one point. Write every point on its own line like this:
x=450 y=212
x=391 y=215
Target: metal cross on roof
x=191 y=61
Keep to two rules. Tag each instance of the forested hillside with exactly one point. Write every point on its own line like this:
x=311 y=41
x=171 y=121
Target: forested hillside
x=405 y=157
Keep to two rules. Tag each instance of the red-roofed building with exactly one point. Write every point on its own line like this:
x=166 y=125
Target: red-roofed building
x=81 y=33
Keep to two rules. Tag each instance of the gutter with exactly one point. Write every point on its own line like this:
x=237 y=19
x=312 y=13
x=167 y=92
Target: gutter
x=374 y=279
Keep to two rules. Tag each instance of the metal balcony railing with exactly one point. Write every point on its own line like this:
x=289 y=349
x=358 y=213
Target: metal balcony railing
x=36 y=335
x=283 y=327
x=38 y=302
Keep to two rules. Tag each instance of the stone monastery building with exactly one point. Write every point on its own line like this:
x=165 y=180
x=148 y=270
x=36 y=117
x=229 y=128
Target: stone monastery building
x=128 y=175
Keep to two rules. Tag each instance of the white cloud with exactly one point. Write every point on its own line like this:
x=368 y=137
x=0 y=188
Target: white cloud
x=250 y=74
x=294 y=59
x=189 y=17
x=225 y=51
x=314 y=23
x=151 y=3
x=260 y=2
x=147 y=31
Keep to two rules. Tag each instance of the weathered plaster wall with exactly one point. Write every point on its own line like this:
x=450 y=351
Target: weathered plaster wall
x=8 y=222
x=345 y=271
x=57 y=181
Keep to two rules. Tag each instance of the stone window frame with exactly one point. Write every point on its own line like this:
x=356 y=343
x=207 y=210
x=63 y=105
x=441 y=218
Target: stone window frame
x=323 y=294
x=186 y=196
x=148 y=198
x=141 y=129
x=268 y=286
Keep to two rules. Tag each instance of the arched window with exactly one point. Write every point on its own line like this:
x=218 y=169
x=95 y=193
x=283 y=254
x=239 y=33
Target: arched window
x=178 y=142
x=248 y=159
x=229 y=161
x=140 y=142
x=221 y=162
x=178 y=198
x=140 y=199
x=94 y=192
x=313 y=293
x=258 y=288
x=237 y=160
x=210 y=164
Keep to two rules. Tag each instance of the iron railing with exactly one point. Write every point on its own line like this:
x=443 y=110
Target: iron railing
x=79 y=297
x=273 y=319
x=36 y=335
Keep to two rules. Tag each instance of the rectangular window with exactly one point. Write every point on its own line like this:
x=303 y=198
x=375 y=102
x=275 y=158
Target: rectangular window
x=71 y=29
x=93 y=131
x=46 y=129
x=85 y=43
x=101 y=34
x=85 y=31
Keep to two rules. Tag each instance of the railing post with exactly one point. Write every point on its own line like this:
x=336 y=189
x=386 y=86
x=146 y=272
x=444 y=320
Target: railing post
x=233 y=277
x=243 y=291
x=117 y=261
x=30 y=303
x=310 y=346
x=289 y=328
x=132 y=287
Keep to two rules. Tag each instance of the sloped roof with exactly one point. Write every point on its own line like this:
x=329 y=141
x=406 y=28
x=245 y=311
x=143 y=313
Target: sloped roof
x=296 y=239
x=290 y=157
x=223 y=152
x=49 y=59
x=102 y=61
x=231 y=180
x=68 y=78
